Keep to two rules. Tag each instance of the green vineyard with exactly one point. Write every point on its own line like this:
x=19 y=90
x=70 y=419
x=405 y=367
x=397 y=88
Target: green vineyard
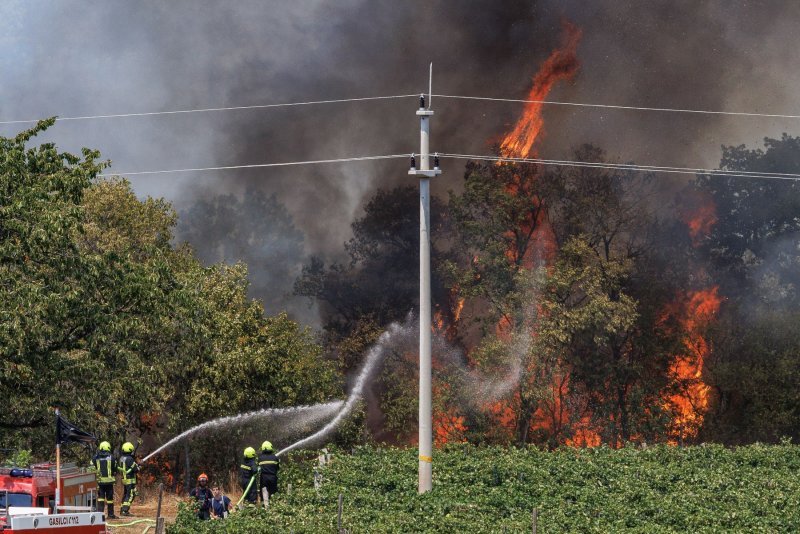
x=655 y=489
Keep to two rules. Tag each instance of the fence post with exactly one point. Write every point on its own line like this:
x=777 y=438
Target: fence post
x=339 y=516
x=160 y=495
x=534 y=520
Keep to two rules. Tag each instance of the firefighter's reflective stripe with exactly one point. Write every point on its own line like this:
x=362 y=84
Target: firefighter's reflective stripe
x=268 y=462
x=105 y=476
x=245 y=466
x=127 y=478
x=133 y=493
x=128 y=468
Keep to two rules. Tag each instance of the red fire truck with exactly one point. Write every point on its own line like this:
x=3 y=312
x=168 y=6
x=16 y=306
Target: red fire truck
x=27 y=500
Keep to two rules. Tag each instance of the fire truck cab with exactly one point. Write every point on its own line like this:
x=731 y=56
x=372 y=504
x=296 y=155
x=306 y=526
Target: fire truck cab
x=36 y=486
x=27 y=500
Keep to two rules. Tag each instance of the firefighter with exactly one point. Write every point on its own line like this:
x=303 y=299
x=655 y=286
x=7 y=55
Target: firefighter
x=128 y=468
x=202 y=493
x=106 y=477
x=248 y=475
x=269 y=464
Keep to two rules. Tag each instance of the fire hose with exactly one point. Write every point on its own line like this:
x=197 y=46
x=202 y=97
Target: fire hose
x=115 y=525
x=246 y=491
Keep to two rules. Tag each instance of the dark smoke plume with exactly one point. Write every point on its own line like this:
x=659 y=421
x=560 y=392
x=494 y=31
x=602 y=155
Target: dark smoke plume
x=96 y=57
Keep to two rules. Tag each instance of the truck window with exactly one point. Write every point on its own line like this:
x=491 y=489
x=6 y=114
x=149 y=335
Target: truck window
x=15 y=499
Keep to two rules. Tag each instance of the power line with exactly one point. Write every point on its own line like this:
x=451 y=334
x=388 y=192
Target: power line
x=479 y=157
x=258 y=165
x=458 y=97
x=628 y=167
x=203 y=110
x=612 y=106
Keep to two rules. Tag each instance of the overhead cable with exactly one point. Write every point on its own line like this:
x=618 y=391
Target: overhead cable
x=258 y=165
x=479 y=157
x=459 y=97
x=203 y=110
x=613 y=106
x=627 y=167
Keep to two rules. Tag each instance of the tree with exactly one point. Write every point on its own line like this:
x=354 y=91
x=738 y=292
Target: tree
x=596 y=349
x=380 y=282
x=104 y=318
x=754 y=371
x=499 y=228
x=46 y=308
x=751 y=250
x=752 y=243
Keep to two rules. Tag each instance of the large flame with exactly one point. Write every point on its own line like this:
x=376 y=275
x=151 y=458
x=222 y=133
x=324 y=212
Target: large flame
x=691 y=403
x=561 y=65
x=695 y=310
x=553 y=416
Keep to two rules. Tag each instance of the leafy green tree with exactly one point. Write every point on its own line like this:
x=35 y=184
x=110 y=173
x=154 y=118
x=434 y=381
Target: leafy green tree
x=752 y=243
x=754 y=371
x=752 y=253
x=607 y=294
x=129 y=335
x=497 y=225
x=589 y=327
x=48 y=293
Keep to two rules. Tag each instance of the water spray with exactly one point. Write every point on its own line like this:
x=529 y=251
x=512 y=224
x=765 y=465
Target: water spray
x=308 y=413
x=373 y=356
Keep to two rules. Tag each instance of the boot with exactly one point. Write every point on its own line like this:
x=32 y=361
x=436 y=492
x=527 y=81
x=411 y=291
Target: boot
x=101 y=506
x=111 y=511
x=125 y=510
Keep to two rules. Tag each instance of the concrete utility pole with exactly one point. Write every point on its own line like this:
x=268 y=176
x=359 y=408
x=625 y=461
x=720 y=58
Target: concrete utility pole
x=425 y=173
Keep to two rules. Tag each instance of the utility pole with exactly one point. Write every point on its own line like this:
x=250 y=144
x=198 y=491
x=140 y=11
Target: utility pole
x=425 y=173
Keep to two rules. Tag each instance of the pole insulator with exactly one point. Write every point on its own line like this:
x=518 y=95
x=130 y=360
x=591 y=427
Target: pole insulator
x=422 y=101
x=413 y=162
x=436 y=161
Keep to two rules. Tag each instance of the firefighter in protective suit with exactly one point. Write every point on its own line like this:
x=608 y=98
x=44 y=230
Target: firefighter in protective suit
x=128 y=468
x=269 y=464
x=104 y=466
x=248 y=475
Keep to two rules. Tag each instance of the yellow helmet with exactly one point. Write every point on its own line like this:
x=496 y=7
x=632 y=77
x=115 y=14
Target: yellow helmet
x=104 y=446
x=127 y=447
x=266 y=446
x=249 y=452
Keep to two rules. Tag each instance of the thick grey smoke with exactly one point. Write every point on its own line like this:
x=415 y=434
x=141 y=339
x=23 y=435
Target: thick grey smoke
x=111 y=56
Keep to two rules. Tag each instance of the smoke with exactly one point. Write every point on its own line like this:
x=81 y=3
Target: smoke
x=96 y=57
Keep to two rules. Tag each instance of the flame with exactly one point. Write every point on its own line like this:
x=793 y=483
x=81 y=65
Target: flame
x=561 y=65
x=700 y=221
x=690 y=405
x=459 y=307
x=438 y=321
x=553 y=417
x=448 y=427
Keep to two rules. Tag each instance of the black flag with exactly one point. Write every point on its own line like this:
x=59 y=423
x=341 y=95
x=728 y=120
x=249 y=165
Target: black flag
x=66 y=432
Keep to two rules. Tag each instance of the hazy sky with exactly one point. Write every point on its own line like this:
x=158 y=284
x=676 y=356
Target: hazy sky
x=115 y=56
